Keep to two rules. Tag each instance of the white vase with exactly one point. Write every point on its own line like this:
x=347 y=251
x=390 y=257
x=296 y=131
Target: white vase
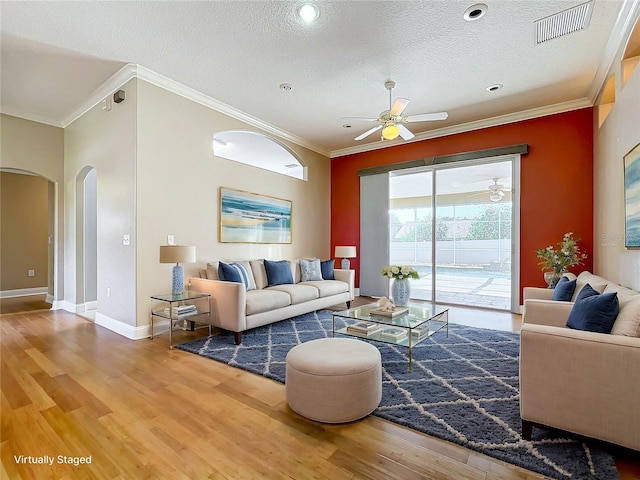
x=401 y=292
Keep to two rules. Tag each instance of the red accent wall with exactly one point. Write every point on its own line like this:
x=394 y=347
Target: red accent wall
x=556 y=182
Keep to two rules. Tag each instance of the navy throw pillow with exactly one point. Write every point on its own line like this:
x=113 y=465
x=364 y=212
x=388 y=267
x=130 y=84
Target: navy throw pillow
x=234 y=272
x=587 y=291
x=594 y=313
x=327 y=270
x=564 y=290
x=278 y=273
x=227 y=273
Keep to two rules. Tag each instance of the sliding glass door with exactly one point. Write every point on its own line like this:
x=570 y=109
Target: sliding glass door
x=455 y=224
x=411 y=225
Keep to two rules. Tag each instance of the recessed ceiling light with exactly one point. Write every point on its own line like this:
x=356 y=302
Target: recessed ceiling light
x=494 y=87
x=346 y=125
x=286 y=87
x=474 y=12
x=308 y=12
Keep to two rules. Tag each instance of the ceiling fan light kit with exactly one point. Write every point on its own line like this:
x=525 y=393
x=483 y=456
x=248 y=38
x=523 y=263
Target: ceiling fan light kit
x=390 y=132
x=392 y=122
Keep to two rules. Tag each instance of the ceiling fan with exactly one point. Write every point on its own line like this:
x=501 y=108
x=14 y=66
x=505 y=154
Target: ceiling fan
x=497 y=191
x=392 y=122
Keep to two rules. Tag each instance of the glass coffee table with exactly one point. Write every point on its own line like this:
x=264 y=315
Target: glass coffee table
x=421 y=320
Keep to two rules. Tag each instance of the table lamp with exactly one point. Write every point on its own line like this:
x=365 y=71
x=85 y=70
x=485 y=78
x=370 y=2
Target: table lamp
x=345 y=253
x=177 y=254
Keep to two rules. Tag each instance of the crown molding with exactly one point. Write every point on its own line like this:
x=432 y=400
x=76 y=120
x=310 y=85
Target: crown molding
x=131 y=70
x=629 y=14
x=470 y=126
x=112 y=84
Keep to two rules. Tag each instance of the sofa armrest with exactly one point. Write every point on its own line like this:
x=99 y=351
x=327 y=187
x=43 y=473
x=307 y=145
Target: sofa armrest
x=347 y=276
x=536 y=293
x=584 y=382
x=546 y=312
x=228 y=302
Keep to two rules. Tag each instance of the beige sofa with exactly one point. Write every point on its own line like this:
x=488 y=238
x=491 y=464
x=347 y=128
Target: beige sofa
x=578 y=381
x=236 y=309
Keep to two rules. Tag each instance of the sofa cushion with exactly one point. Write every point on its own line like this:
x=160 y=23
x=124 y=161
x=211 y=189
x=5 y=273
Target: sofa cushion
x=597 y=283
x=628 y=321
x=278 y=273
x=310 y=270
x=259 y=301
x=327 y=269
x=326 y=288
x=259 y=273
x=212 y=271
x=623 y=292
x=564 y=290
x=299 y=293
x=593 y=311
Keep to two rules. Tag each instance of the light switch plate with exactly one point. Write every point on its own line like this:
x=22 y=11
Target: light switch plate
x=171 y=240
x=126 y=239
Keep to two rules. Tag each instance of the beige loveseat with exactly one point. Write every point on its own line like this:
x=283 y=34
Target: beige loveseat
x=236 y=309
x=579 y=381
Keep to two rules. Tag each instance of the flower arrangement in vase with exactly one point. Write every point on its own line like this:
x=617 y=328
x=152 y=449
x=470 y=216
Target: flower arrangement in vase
x=557 y=262
x=401 y=288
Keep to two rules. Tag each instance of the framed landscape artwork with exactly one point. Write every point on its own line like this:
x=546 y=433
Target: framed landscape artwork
x=247 y=217
x=632 y=197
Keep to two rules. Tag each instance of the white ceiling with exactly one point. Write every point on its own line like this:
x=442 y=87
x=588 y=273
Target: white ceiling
x=55 y=54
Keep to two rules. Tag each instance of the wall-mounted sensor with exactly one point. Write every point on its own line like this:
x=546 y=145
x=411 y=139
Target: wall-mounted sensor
x=118 y=97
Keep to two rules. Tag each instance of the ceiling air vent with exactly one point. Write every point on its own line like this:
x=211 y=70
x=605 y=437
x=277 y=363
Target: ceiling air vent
x=563 y=23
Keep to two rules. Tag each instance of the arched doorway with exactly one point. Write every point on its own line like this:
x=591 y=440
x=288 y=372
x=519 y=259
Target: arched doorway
x=86 y=241
x=28 y=241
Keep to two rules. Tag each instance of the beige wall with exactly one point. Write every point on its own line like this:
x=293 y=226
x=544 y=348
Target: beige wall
x=104 y=140
x=619 y=133
x=37 y=148
x=178 y=180
x=24 y=209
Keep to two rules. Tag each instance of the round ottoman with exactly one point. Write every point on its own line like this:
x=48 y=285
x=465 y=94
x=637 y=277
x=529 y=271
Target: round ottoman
x=333 y=380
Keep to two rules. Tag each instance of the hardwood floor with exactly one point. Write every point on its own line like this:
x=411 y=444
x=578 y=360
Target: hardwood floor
x=136 y=409
x=26 y=303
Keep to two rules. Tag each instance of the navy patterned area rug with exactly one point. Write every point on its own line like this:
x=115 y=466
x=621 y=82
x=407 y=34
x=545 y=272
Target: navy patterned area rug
x=463 y=388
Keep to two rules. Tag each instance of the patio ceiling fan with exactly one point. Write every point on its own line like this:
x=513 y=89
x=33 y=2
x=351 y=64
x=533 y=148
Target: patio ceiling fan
x=392 y=122
x=497 y=190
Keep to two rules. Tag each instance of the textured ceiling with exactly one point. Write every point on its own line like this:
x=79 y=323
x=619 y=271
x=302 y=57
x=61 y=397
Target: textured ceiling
x=55 y=54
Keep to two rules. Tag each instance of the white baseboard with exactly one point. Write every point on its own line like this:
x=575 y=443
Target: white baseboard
x=90 y=305
x=23 y=292
x=68 y=306
x=50 y=300
x=121 y=328
x=356 y=292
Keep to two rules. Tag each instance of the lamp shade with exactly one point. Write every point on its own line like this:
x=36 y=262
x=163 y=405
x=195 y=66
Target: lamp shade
x=345 y=252
x=177 y=254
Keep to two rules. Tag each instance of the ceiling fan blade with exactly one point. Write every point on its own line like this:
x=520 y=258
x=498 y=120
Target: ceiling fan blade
x=404 y=132
x=359 y=119
x=398 y=106
x=368 y=132
x=427 y=117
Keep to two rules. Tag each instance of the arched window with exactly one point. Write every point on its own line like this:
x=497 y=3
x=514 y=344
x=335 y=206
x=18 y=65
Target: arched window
x=258 y=150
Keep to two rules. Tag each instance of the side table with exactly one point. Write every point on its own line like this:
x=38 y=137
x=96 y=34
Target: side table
x=187 y=306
